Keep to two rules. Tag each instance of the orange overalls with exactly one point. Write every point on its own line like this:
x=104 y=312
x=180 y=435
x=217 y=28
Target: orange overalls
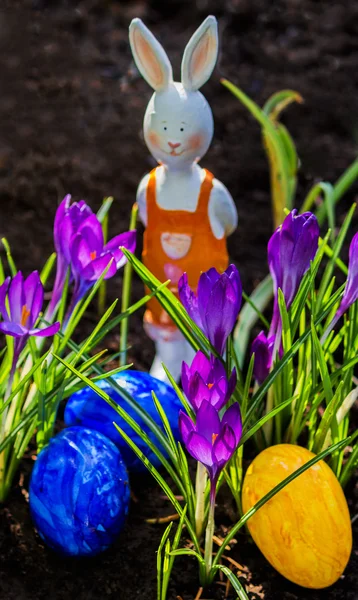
x=205 y=251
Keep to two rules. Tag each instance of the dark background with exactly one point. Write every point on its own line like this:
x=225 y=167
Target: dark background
x=71 y=109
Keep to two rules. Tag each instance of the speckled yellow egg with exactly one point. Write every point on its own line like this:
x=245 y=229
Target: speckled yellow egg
x=305 y=530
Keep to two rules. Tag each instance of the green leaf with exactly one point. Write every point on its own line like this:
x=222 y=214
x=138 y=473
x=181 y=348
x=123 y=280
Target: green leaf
x=46 y=271
x=10 y=260
x=329 y=415
x=133 y=424
x=350 y=467
x=105 y=207
x=159 y=561
x=260 y=422
x=279 y=101
x=173 y=307
x=322 y=364
x=347 y=179
x=234 y=582
x=163 y=484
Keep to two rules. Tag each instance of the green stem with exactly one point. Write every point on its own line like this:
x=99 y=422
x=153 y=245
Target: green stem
x=346 y=180
x=102 y=292
x=3 y=432
x=200 y=487
x=208 y=556
x=126 y=295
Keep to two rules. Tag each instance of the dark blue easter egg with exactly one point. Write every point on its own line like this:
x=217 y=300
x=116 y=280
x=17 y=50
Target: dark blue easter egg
x=79 y=492
x=86 y=408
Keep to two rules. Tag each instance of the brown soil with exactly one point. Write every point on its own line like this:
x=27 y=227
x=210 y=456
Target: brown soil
x=71 y=110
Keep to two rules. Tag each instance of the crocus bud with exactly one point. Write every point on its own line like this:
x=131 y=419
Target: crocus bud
x=350 y=294
x=262 y=347
x=290 y=250
x=351 y=290
x=216 y=305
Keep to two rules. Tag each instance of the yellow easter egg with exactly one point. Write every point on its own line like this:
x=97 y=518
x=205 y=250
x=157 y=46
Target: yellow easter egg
x=305 y=530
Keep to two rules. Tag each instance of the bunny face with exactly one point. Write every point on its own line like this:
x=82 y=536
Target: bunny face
x=178 y=123
x=178 y=126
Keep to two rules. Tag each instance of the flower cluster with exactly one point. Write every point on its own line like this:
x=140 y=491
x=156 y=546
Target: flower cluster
x=211 y=440
x=80 y=248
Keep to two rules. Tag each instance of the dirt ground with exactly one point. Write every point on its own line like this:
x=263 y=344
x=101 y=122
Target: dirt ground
x=71 y=109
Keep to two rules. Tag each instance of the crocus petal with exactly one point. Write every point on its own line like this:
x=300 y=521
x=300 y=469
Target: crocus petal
x=207 y=421
x=262 y=347
x=14 y=329
x=127 y=240
x=218 y=397
x=218 y=370
x=234 y=276
x=201 y=364
x=290 y=250
x=80 y=253
x=16 y=297
x=232 y=417
x=91 y=230
x=189 y=300
x=34 y=297
x=197 y=391
x=186 y=426
x=200 y=449
x=60 y=214
x=46 y=331
x=224 y=445
x=65 y=233
x=3 y=292
x=221 y=313
x=206 y=283
x=350 y=294
x=94 y=270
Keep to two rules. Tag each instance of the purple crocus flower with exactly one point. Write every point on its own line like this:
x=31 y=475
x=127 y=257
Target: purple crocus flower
x=262 y=347
x=90 y=256
x=290 y=250
x=20 y=306
x=350 y=294
x=210 y=440
x=216 y=305
x=206 y=380
x=68 y=219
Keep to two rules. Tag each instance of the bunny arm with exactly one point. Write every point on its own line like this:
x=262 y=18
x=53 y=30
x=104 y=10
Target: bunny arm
x=141 y=199
x=222 y=210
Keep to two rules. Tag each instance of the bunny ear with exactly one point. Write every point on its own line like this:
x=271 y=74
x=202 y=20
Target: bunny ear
x=149 y=56
x=200 y=55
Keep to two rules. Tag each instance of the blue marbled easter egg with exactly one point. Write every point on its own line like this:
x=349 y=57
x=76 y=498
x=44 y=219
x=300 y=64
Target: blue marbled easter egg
x=86 y=408
x=79 y=493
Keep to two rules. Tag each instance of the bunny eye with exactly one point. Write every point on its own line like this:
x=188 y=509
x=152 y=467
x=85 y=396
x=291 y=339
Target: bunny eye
x=165 y=128
x=182 y=129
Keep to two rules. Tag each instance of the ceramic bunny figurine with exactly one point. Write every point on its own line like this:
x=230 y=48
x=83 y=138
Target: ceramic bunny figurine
x=186 y=211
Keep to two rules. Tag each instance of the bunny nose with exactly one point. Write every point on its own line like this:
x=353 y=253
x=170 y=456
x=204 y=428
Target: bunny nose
x=173 y=146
